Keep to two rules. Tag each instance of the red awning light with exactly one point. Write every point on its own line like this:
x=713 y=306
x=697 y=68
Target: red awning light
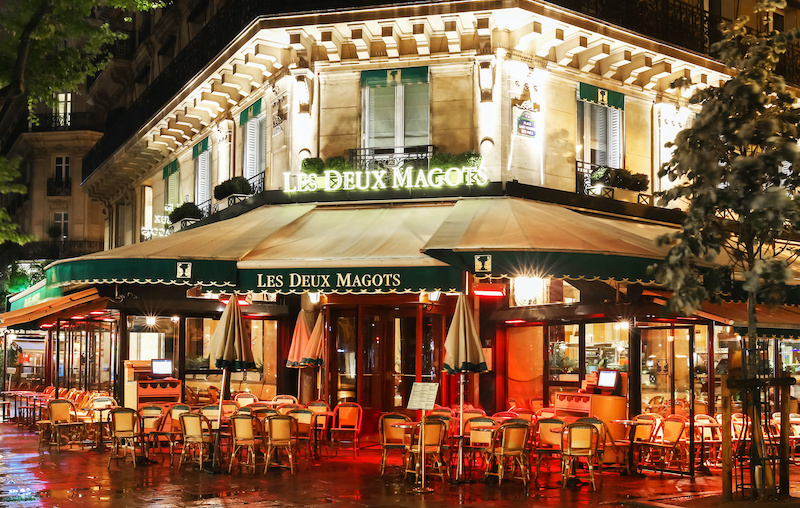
x=489 y=289
x=242 y=300
x=515 y=321
x=46 y=325
x=78 y=317
x=97 y=312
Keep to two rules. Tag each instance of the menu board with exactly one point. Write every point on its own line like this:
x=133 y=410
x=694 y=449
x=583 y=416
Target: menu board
x=423 y=396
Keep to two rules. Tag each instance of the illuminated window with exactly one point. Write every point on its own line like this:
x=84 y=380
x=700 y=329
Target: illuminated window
x=62 y=169
x=254 y=128
x=397 y=108
x=601 y=126
x=61 y=221
x=63 y=110
x=202 y=171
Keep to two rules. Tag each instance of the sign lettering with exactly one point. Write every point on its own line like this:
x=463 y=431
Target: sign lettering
x=399 y=178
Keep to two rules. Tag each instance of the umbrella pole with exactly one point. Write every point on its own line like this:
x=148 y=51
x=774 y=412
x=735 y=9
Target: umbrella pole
x=459 y=468
x=218 y=437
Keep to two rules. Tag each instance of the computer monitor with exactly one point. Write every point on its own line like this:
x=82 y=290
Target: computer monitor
x=609 y=381
x=160 y=367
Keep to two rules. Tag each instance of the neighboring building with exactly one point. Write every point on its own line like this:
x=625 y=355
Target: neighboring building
x=416 y=143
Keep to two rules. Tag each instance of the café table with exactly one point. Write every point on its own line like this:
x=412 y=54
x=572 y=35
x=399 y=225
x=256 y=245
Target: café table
x=327 y=415
x=631 y=424
x=97 y=419
x=703 y=467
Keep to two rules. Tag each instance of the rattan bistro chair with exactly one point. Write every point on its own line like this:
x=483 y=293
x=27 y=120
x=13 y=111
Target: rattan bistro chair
x=197 y=438
x=428 y=449
x=547 y=440
x=244 y=439
x=281 y=435
x=509 y=449
x=124 y=425
x=392 y=438
x=346 y=425
x=580 y=442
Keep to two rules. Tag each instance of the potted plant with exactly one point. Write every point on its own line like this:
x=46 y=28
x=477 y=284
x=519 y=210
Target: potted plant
x=187 y=210
x=54 y=232
x=236 y=185
x=626 y=185
x=312 y=166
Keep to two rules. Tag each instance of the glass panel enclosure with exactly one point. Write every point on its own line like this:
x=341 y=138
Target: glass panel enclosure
x=666 y=377
x=525 y=366
x=346 y=344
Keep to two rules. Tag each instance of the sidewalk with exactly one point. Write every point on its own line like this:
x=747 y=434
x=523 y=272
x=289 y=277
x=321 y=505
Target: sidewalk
x=74 y=477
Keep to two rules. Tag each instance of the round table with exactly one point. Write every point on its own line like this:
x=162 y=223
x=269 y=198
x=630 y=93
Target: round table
x=632 y=424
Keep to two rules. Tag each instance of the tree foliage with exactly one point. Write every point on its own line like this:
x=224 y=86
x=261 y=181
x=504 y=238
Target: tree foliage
x=48 y=46
x=736 y=168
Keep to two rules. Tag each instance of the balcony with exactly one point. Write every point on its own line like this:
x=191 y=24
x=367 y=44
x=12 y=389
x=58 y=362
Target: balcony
x=51 y=250
x=59 y=186
x=83 y=121
x=585 y=187
x=364 y=159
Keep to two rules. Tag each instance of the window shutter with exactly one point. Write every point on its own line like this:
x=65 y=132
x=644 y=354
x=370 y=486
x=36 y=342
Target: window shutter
x=601 y=134
x=381 y=120
x=261 y=143
x=250 y=137
x=173 y=187
x=616 y=137
x=416 y=114
x=203 y=176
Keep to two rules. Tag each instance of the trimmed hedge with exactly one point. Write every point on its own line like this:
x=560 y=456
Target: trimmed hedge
x=236 y=185
x=187 y=210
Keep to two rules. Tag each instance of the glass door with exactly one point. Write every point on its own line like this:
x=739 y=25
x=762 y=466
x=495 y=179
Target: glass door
x=667 y=363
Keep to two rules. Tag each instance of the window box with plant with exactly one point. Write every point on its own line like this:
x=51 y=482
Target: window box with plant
x=624 y=185
x=187 y=213
x=232 y=191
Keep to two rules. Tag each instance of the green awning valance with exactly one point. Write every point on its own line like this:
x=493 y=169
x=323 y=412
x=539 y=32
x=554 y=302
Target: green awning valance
x=250 y=112
x=170 y=168
x=209 y=273
x=394 y=77
x=200 y=147
x=597 y=95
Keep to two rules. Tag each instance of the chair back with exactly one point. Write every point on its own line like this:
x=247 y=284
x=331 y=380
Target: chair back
x=601 y=428
x=123 y=420
x=546 y=412
x=706 y=433
x=392 y=435
x=194 y=425
x=527 y=414
x=672 y=428
x=213 y=394
x=318 y=406
x=435 y=432
x=468 y=415
x=288 y=406
x=245 y=399
x=175 y=413
x=259 y=405
x=445 y=411
x=348 y=415
x=263 y=413
x=282 y=429
x=229 y=408
x=645 y=433
x=513 y=437
x=505 y=414
x=479 y=436
x=305 y=420
x=151 y=418
x=242 y=427
x=285 y=398
x=548 y=432
x=244 y=410
x=448 y=420
x=210 y=411
x=61 y=411
x=580 y=437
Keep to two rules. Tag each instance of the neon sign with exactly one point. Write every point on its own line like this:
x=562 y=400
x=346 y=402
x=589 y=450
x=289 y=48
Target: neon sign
x=381 y=179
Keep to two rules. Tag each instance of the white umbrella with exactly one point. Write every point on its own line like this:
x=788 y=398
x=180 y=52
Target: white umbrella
x=232 y=351
x=313 y=354
x=299 y=343
x=462 y=354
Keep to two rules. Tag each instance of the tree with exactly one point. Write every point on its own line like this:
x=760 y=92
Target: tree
x=738 y=169
x=48 y=46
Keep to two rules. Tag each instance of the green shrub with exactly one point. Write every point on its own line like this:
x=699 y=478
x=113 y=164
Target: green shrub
x=338 y=164
x=442 y=160
x=312 y=165
x=187 y=210
x=54 y=232
x=468 y=159
x=639 y=182
x=236 y=185
x=445 y=160
x=619 y=178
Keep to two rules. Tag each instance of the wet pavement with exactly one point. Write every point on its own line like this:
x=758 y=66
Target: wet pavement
x=77 y=477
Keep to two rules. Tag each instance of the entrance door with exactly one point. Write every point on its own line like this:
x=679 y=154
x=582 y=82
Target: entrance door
x=378 y=352
x=667 y=365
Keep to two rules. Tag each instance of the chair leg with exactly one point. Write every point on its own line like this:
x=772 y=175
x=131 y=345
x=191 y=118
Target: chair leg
x=589 y=461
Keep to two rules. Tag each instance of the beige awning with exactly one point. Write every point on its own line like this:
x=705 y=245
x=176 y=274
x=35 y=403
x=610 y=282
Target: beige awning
x=88 y=297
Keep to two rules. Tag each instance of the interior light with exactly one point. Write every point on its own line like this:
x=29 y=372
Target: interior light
x=489 y=289
x=313 y=297
x=175 y=319
x=434 y=296
x=150 y=320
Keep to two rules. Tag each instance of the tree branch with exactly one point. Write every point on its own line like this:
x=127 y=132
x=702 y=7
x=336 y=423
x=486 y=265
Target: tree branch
x=16 y=86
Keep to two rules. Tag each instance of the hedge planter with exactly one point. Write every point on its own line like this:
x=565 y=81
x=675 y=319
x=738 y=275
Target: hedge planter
x=235 y=186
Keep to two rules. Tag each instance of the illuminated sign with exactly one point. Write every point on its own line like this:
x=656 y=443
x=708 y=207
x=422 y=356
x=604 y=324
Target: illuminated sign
x=380 y=179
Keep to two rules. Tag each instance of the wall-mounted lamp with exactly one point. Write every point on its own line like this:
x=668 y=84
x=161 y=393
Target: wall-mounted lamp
x=489 y=289
x=434 y=296
x=313 y=297
x=485 y=76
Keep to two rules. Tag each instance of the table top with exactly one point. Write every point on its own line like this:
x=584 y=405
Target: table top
x=403 y=425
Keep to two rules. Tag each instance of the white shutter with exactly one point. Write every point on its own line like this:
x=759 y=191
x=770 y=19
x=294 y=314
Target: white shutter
x=174 y=188
x=250 y=155
x=203 y=177
x=261 y=142
x=600 y=134
x=381 y=119
x=416 y=114
x=616 y=138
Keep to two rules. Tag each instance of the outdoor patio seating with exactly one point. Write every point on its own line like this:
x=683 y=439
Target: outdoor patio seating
x=547 y=440
x=170 y=429
x=283 y=398
x=346 y=426
x=124 y=428
x=509 y=451
x=245 y=399
x=669 y=447
x=151 y=419
x=427 y=448
x=285 y=407
x=478 y=440
x=64 y=423
x=244 y=439
x=392 y=438
x=197 y=437
x=580 y=441
x=305 y=429
x=281 y=435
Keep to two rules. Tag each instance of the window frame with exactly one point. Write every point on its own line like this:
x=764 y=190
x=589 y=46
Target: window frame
x=399 y=112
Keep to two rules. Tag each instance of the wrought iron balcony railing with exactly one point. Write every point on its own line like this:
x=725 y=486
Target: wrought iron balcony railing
x=57 y=249
x=364 y=159
x=81 y=121
x=59 y=186
x=584 y=186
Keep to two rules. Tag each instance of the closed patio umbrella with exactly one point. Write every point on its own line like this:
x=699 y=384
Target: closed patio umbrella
x=462 y=354
x=232 y=352
x=300 y=338
x=313 y=354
